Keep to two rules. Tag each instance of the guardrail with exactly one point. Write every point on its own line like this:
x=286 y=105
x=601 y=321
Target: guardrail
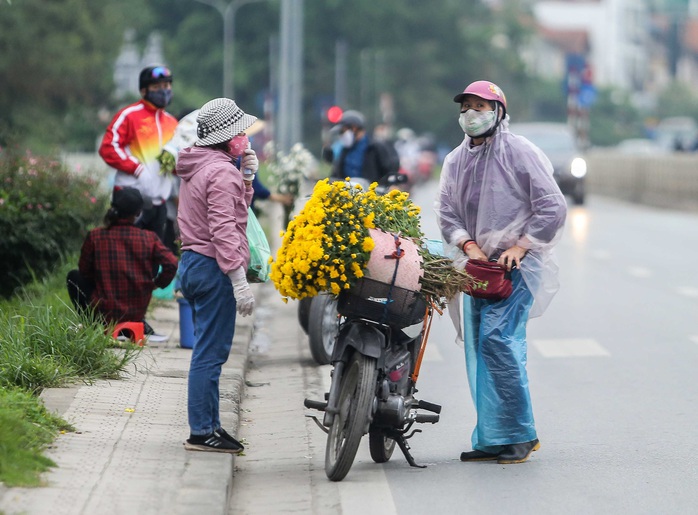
x=669 y=180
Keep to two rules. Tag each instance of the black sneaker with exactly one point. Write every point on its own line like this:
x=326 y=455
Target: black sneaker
x=212 y=443
x=226 y=436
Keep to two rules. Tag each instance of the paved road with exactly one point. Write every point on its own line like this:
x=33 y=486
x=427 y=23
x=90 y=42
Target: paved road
x=612 y=375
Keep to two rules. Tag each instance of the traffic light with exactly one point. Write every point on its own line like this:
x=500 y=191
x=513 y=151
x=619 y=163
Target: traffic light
x=334 y=114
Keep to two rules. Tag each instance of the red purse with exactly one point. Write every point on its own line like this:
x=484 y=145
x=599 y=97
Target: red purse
x=491 y=280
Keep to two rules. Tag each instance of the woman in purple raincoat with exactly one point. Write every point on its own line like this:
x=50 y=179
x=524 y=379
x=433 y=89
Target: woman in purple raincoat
x=498 y=201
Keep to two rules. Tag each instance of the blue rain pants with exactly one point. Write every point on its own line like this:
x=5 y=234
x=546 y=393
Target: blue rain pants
x=495 y=355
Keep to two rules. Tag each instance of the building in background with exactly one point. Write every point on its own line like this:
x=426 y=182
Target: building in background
x=611 y=34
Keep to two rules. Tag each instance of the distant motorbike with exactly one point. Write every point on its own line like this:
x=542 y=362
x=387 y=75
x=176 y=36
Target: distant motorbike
x=376 y=365
x=317 y=315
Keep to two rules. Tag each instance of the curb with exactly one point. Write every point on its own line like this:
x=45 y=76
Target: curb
x=126 y=455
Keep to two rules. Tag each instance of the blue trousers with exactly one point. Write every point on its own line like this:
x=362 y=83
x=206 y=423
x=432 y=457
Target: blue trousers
x=495 y=352
x=210 y=293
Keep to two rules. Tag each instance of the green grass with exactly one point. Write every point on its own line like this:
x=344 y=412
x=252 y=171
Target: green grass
x=26 y=428
x=44 y=343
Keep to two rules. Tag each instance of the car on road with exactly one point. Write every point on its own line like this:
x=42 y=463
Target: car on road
x=558 y=142
x=677 y=133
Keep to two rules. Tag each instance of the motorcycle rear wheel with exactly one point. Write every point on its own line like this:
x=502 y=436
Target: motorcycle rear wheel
x=304 y=312
x=381 y=446
x=356 y=395
x=322 y=328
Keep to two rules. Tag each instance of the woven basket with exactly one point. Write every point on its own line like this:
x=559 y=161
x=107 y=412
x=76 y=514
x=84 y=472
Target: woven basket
x=382 y=303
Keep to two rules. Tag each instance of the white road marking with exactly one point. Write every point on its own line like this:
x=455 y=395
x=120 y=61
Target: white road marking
x=570 y=348
x=639 y=271
x=688 y=291
x=365 y=490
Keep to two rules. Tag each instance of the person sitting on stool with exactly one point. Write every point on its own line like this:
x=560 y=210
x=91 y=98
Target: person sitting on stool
x=120 y=265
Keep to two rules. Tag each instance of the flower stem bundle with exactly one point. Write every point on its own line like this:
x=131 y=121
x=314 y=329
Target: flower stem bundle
x=441 y=280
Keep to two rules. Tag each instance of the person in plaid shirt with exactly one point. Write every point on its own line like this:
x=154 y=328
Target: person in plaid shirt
x=118 y=266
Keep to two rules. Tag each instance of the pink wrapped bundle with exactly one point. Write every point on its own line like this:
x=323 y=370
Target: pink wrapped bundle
x=409 y=268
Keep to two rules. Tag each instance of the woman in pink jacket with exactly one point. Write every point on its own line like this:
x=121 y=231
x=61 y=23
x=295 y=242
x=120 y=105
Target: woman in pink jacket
x=213 y=201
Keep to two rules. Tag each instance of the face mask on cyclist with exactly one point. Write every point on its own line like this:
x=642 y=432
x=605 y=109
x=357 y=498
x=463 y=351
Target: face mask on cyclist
x=347 y=138
x=475 y=123
x=160 y=97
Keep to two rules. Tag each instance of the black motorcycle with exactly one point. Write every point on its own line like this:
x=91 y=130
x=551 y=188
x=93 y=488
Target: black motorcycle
x=376 y=365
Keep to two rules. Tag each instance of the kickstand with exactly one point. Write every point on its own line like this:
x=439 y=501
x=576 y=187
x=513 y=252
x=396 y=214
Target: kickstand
x=326 y=430
x=405 y=448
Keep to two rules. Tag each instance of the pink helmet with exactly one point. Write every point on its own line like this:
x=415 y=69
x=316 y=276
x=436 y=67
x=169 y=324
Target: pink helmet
x=483 y=89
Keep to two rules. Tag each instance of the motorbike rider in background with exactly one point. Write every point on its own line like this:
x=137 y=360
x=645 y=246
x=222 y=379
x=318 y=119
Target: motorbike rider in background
x=360 y=155
x=498 y=201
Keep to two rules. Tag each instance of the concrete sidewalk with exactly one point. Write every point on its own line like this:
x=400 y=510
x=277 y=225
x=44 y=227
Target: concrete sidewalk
x=127 y=454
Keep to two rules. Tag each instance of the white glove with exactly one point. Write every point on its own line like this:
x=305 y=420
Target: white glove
x=250 y=162
x=242 y=291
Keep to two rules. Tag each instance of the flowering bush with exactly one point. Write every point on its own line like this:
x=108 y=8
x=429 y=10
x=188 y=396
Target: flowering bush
x=45 y=212
x=327 y=245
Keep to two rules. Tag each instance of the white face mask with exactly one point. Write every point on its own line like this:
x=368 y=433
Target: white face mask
x=347 y=138
x=475 y=123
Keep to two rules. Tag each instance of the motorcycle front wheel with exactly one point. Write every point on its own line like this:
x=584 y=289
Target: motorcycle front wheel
x=356 y=394
x=380 y=446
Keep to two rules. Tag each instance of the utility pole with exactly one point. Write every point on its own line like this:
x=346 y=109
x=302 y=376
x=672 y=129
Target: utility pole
x=291 y=75
x=340 y=73
x=228 y=12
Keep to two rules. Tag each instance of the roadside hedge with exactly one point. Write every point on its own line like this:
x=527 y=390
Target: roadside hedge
x=45 y=213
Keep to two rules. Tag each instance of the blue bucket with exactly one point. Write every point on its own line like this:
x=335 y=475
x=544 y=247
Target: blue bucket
x=186 y=324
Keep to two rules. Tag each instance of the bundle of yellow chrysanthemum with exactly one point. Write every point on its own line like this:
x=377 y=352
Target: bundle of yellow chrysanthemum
x=327 y=245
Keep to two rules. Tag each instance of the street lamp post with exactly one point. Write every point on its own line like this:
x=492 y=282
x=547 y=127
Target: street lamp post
x=228 y=12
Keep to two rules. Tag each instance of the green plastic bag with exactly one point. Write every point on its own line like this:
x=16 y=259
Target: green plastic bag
x=259 y=269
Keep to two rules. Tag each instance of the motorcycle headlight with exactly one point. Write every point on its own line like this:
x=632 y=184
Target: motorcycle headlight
x=578 y=168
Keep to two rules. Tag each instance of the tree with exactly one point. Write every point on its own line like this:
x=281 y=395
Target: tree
x=55 y=67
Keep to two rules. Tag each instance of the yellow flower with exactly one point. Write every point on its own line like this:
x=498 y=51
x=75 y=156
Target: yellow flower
x=368 y=221
x=329 y=237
